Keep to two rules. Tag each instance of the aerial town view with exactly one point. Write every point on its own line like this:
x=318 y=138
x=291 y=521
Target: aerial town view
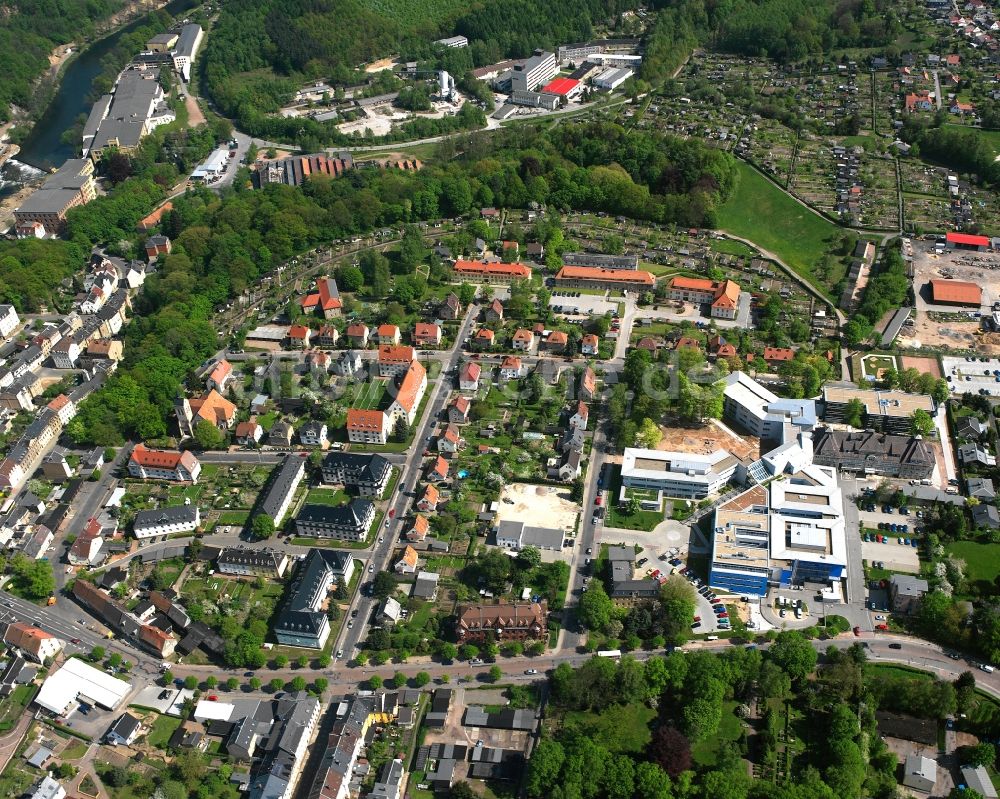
x=416 y=398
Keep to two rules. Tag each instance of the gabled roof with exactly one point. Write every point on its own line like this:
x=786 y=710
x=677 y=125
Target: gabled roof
x=360 y=329
x=609 y=275
x=409 y=386
x=440 y=466
x=510 y=362
x=365 y=420
x=420 y=524
x=409 y=556
x=471 y=371
x=426 y=330
x=222 y=370
x=162 y=458
x=431 y=494
x=481 y=268
x=214 y=408
x=388 y=331
x=390 y=353
x=523 y=335
x=298 y=332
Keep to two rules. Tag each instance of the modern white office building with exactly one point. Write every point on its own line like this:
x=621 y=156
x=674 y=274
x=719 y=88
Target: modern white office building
x=761 y=412
x=788 y=532
x=678 y=474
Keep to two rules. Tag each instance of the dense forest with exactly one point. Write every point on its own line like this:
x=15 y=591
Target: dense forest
x=30 y=30
x=222 y=245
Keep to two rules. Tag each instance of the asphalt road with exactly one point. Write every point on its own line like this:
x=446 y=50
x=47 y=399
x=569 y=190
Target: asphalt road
x=350 y=637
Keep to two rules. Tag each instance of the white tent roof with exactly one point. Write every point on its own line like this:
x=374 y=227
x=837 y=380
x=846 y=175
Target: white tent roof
x=77 y=679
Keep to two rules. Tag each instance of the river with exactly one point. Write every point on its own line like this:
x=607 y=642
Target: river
x=44 y=149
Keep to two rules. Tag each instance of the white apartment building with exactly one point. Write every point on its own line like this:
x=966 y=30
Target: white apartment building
x=538 y=69
x=154 y=524
x=8 y=320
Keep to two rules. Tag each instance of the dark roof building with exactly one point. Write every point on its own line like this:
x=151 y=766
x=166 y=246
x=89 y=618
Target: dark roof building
x=281 y=488
x=368 y=474
x=302 y=620
x=349 y=522
x=906 y=457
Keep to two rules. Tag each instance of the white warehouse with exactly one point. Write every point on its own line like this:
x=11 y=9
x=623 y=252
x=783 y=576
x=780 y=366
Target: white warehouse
x=611 y=79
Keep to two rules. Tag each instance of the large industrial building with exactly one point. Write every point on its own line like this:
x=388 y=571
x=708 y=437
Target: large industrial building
x=121 y=120
x=763 y=413
x=69 y=186
x=78 y=683
x=956 y=292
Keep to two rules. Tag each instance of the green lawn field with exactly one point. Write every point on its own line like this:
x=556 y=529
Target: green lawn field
x=761 y=212
x=620 y=728
x=982 y=561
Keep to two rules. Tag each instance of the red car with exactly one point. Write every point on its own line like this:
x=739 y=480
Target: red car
x=882 y=627
x=213 y=698
x=598 y=501
x=697 y=618
x=857 y=631
x=392 y=513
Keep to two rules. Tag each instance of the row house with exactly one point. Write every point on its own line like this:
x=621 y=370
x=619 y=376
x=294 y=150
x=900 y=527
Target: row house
x=388 y=334
x=458 y=411
x=358 y=334
x=523 y=340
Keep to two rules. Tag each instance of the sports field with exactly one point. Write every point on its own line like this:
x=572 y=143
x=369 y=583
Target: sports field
x=369 y=395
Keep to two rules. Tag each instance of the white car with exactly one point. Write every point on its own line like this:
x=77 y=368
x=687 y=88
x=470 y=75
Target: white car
x=879 y=617
x=371 y=567
x=531 y=671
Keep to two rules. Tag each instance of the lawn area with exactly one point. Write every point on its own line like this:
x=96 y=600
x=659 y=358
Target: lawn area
x=74 y=751
x=705 y=752
x=162 y=729
x=234 y=517
x=369 y=395
x=327 y=496
x=992 y=137
x=885 y=671
x=12 y=706
x=982 y=561
x=640 y=520
x=621 y=729
x=267 y=420
x=761 y=212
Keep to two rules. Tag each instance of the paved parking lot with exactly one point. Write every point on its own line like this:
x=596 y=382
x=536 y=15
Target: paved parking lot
x=975 y=375
x=582 y=305
x=897 y=557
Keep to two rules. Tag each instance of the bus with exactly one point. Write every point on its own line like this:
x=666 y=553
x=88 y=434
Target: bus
x=610 y=653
